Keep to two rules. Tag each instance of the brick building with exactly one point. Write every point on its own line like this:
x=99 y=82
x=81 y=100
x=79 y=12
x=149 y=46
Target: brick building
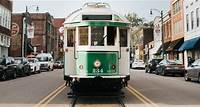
x=58 y=43
x=43 y=40
x=5 y=26
x=177 y=30
x=17 y=46
x=44 y=32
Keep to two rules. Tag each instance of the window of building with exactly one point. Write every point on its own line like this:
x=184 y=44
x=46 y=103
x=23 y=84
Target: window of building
x=70 y=37
x=0 y=15
x=97 y=36
x=187 y=22
x=192 y=20
x=2 y=39
x=83 y=35
x=176 y=7
x=197 y=16
x=111 y=35
x=9 y=41
x=123 y=37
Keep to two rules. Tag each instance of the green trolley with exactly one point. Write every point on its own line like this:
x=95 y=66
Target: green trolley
x=96 y=46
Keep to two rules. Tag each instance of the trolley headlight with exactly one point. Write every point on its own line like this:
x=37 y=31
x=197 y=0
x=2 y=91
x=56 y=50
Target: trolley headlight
x=81 y=67
x=113 y=67
x=97 y=63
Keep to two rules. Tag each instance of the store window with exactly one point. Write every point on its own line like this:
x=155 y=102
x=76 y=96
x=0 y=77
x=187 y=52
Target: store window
x=70 y=37
x=123 y=37
x=83 y=35
x=111 y=35
x=97 y=36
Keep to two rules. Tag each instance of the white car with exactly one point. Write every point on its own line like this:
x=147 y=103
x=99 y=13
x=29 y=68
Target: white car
x=46 y=61
x=35 y=65
x=138 y=64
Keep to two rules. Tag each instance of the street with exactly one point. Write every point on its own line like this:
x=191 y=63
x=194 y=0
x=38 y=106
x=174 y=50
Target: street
x=47 y=89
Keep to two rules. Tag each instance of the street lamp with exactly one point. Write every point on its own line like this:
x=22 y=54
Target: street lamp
x=25 y=37
x=162 y=28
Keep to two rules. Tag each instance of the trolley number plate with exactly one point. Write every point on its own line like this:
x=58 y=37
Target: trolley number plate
x=97 y=70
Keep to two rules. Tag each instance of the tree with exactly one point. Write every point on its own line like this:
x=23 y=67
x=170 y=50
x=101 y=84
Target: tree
x=134 y=19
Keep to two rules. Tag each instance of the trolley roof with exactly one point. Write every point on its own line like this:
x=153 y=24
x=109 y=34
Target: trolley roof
x=99 y=10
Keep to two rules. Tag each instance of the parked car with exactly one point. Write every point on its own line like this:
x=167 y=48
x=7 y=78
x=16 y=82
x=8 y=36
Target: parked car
x=170 y=67
x=151 y=65
x=58 y=64
x=46 y=61
x=22 y=66
x=34 y=64
x=7 y=68
x=193 y=71
x=138 y=64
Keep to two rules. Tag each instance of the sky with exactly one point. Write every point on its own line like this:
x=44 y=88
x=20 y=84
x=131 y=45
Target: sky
x=61 y=8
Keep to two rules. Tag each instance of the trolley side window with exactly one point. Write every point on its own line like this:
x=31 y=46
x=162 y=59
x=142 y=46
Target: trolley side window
x=123 y=37
x=83 y=35
x=111 y=35
x=70 y=37
x=97 y=34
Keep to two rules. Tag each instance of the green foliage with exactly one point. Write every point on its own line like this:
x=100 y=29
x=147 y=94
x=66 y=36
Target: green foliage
x=134 y=19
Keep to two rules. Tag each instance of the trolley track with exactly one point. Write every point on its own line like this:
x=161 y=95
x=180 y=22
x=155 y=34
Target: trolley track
x=118 y=97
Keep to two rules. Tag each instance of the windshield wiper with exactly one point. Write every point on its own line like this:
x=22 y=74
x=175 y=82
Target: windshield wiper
x=102 y=40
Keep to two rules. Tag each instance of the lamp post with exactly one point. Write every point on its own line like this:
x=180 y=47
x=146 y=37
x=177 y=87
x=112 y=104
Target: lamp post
x=162 y=28
x=25 y=36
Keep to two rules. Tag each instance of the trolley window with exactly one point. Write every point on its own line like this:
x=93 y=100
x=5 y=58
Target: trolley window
x=111 y=35
x=97 y=34
x=70 y=37
x=97 y=17
x=83 y=35
x=123 y=37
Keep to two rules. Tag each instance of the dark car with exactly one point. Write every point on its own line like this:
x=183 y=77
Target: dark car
x=193 y=71
x=151 y=65
x=58 y=64
x=22 y=66
x=170 y=67
x=7 y=68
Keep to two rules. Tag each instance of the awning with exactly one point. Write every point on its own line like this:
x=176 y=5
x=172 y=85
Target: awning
x=190 y=44
x=175 y=45
x=166 y=45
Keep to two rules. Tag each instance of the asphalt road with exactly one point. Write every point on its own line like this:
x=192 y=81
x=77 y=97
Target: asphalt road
x=148 y=90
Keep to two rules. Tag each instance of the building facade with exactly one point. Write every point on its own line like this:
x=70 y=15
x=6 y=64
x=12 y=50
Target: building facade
x=177 y=30
x=17 y=47
x=145 y=36
x=59 y=35
x=5 y=26
x=191 y=43
x=157 y=38
x=43 y=38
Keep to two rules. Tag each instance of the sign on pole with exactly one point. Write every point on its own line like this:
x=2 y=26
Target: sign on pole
x=30 y=31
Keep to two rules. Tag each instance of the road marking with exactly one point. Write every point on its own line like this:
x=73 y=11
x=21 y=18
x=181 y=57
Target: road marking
x=141 y=97
x=50 y=95
x=51 y=98
x=146 y=103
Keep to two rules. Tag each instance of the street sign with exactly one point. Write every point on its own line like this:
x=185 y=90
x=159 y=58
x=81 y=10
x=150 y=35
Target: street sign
x=61 y=29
